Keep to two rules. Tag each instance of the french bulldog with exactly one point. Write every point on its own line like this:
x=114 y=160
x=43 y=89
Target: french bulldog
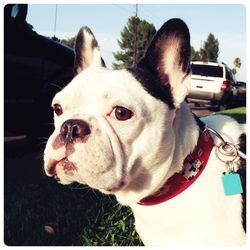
x=131 y=133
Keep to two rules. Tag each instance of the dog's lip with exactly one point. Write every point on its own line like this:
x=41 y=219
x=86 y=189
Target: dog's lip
x=51 y=168
x=56 y=178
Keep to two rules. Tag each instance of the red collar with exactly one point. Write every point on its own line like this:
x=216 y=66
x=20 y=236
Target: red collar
x=194 y=164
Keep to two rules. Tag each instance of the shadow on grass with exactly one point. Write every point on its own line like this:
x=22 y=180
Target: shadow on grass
x=40 y=212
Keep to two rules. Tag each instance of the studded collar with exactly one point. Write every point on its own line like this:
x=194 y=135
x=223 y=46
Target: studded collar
x=193 y=166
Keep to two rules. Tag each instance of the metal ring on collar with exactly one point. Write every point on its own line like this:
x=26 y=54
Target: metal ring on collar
x=220 y=151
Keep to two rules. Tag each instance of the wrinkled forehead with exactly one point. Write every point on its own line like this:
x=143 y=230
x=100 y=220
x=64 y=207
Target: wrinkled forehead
x=97 y=84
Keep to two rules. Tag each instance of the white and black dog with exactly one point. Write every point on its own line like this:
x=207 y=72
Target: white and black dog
x=130 y=133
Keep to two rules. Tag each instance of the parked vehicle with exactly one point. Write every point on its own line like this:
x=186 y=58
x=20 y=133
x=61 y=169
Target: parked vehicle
x=35 y=68
x=211 y=83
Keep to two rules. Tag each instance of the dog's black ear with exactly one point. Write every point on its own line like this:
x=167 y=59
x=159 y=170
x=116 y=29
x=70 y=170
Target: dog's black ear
x=168 y=56
x=87 y=52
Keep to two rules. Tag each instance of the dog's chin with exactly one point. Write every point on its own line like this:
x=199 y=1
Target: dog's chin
x=63 y=171
x=114 y=189
x=66 y=172
x=108 y=189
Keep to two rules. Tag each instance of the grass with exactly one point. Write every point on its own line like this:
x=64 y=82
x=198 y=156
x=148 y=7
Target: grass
x=111 y=227
x=40 y=212
x=238 y=114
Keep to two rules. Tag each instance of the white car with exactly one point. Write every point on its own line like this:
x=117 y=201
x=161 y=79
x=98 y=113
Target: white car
x=211 y=83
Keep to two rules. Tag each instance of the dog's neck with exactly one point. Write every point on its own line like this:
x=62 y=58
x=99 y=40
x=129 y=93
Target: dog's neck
x=186 y=134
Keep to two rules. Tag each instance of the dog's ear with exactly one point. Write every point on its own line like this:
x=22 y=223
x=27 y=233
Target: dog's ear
x=168 y=56
x=87 y=52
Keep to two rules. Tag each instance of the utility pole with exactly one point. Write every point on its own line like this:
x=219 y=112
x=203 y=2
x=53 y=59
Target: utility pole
x=135 y=33
x=55 y=22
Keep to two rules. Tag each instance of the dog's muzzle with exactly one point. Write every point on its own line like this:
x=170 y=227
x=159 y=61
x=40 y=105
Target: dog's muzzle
x=86 y=151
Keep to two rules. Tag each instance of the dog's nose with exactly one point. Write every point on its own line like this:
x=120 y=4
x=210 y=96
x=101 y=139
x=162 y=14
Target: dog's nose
x=73 y=129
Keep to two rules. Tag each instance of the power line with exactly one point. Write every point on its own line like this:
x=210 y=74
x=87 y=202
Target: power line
x=150 y=13
x=121 y=6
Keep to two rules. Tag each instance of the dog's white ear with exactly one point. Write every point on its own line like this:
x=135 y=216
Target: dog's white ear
x=87 y=52
x=168 y=56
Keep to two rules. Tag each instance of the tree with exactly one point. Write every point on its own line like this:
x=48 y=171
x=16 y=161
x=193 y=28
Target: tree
x=237 y=64
x=69 y=42
x=208 y=52
x=144 y=31
x=195 y=55
x=55 y=39
x=211 y=48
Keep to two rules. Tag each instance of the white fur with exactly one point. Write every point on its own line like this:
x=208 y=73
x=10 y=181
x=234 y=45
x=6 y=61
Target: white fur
x=161 y=140
x=133 y=158
x=89 y=52
x=124 y=144
x=202 y=214
x=180 y=83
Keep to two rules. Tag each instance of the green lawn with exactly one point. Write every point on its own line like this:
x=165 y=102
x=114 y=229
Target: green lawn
x=40 y=212
x=238 y=114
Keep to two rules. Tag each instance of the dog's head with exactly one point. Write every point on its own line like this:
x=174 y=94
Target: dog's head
x=114 y=128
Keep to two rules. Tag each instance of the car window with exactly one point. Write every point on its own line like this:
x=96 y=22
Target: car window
x=207 y=70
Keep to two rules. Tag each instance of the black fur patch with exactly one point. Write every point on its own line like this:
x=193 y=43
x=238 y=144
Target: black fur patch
x=151 y=83
x=151 y=70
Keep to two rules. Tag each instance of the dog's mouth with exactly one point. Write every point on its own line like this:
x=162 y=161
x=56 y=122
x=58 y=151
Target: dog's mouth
x=64 y=168
x=67 y=166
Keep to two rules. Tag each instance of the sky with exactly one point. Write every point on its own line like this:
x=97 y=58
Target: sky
x=226 y=21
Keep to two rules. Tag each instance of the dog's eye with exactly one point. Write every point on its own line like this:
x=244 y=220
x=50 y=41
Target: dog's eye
x=122 y=114
x=57 y=109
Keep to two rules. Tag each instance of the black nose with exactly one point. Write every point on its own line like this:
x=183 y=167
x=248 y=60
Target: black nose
x=74 y=129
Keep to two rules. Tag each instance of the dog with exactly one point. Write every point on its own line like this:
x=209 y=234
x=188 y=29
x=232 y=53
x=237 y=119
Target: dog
x=131 y=133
